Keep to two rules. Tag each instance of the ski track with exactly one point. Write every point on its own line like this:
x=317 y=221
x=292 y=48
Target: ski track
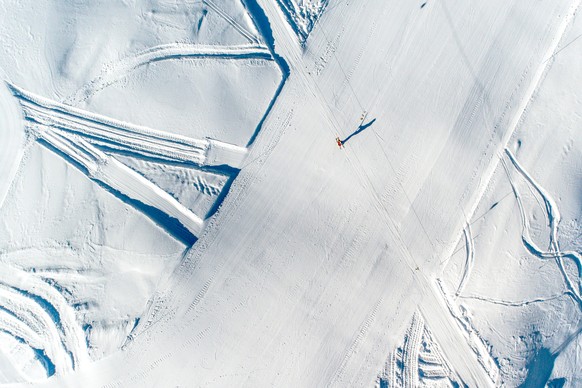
x=516 y=119
x=472 y=337
x=95 y=164
x=394 y=377
x=474 y=341
x=330 y=48
x=158 y=312
x=236 y=191
x=301 y=36
x=243 y=31
x=115 y=72
x=355 y=344
x=144 y=371
x=432 y=363
x=470 y=258
x=123 y=136
x=106 y=169
x=419 y=362
x=410 y=352
x=553 y=215
x=291 y=53
x=512 y=303
x=77 y=134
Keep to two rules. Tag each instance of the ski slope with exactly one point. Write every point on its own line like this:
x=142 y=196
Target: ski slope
x=182 y=215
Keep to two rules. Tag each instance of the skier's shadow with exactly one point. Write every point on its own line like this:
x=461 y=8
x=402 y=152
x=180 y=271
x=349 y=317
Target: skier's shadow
x=360 y=129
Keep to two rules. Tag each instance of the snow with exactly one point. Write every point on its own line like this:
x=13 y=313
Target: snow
x=174 y=207
x=13 y=140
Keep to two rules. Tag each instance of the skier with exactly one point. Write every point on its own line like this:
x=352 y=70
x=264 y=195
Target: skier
x=340 y=144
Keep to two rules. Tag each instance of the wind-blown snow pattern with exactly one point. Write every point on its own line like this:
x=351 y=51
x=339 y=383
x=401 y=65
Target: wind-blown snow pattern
x=295 y=193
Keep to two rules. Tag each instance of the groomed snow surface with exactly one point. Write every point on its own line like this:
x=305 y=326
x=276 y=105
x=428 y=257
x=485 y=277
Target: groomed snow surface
x=175 y=211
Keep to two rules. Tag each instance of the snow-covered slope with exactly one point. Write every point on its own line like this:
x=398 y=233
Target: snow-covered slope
x=302 y=15
x=176 y=211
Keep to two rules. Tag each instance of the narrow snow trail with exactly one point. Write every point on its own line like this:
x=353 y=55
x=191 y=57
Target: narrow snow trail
x=554 y=217
x=114 y=73
x=242 y=30
x=410 y=352
x=470 y=258
x=311 y=271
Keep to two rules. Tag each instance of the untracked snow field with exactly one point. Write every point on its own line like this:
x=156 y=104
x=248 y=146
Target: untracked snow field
x=175 y=210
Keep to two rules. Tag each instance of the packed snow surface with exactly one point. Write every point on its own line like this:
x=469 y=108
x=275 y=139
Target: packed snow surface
x=175 y=209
